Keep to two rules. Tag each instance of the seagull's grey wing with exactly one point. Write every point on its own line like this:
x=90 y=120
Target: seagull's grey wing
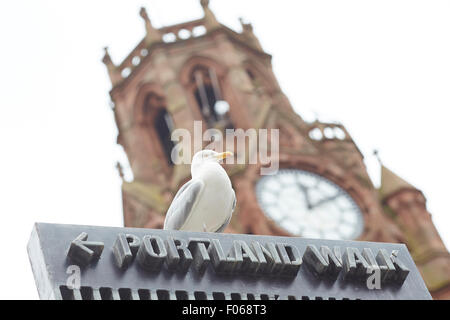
x=224 y=225
x=234 y=201
x=227 y=221
x=182 y=204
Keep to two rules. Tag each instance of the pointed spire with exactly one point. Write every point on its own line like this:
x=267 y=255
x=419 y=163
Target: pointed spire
x=114 y=75
x=247 y=32
x=152 y=34
x=246 y=27
x=107 y=58
x=391 y=183
x=210 y=19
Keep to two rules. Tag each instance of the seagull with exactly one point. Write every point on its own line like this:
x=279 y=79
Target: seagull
x=207 y=201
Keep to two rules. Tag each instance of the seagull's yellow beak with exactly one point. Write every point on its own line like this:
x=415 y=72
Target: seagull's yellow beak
x=224 y=155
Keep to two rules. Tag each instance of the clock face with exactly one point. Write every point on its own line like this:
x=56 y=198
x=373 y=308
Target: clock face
x=308 y=205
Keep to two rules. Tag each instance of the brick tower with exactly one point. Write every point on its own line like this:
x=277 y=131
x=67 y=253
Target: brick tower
x=178 y=74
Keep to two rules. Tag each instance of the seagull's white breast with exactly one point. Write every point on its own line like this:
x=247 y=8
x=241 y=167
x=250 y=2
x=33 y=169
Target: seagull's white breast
x=214 y=204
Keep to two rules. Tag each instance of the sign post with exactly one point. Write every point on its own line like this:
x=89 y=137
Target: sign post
x=98 y=263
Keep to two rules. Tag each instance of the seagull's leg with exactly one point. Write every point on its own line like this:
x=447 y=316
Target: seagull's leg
x=204 y=227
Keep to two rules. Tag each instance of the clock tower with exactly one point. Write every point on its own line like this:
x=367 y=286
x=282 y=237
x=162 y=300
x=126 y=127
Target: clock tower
x=203 y=71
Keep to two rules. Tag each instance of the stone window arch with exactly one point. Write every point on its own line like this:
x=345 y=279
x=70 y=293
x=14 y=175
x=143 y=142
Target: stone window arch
x=259 y=79
x=206 y=91
x=208 y=94
x=160 y=124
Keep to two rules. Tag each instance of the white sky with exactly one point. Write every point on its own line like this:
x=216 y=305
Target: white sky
x=380 y=67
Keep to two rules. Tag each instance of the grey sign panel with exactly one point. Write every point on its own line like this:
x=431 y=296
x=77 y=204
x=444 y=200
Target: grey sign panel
x=88 y=262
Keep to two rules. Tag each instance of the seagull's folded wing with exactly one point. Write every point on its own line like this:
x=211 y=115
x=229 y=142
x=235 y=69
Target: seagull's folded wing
x=227 y=221
x=182 y=204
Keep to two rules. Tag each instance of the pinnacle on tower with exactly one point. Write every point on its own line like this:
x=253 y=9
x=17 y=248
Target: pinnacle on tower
x=107 y=58
x=112 y=69
x=247 y=32
x=152 y=34
x=391 y=183
x=210 y=19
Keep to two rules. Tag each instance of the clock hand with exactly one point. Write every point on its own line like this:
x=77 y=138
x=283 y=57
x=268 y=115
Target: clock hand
x=320 y=202
x=305 y=192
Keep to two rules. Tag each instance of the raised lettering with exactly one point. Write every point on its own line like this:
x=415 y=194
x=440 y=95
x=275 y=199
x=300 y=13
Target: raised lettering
x=125 y=248
x=199 y=250
x=291 y=259
x=386 y=266
x=401 y=271
x=245 y=259
x=264 y=256
x=324 y=263
x=152 y=253
x=179 y=257
x=221 y=263
x=354 y=264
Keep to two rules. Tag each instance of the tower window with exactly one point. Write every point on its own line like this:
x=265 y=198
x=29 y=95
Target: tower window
x=164 y=127
x=159 y=120
x=206 y=99
x=208 y=95
x=250 y=74
x=153 y=102
x=256 y=81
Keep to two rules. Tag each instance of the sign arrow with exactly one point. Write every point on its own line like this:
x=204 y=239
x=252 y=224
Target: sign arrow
x=84 y=252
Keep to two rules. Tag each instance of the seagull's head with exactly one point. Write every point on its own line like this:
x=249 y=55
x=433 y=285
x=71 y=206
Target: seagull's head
x=208 y=156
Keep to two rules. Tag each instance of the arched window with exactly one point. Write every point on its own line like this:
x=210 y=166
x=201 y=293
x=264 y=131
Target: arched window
x=164 y=126
x=153 y=103
x=208 y=95
x=158 y=119
x=257 y=80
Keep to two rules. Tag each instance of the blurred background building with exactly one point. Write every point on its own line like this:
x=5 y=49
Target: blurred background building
x=203 y=70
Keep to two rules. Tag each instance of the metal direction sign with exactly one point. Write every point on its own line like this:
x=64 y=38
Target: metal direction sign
x=97 y=263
